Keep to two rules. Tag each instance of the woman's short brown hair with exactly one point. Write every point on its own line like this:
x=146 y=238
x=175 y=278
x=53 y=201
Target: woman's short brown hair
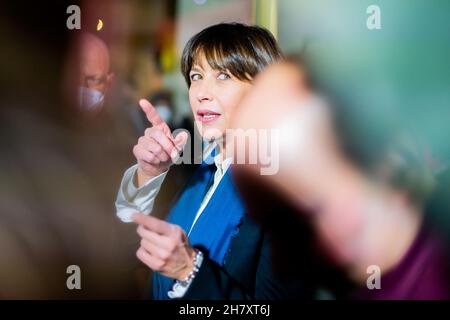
x=241 y=49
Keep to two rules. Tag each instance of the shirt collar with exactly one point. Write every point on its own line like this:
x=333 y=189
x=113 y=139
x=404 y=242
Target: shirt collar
x=221 y=165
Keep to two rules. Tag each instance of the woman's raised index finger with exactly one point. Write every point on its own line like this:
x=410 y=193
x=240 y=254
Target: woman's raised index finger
x=153 y=115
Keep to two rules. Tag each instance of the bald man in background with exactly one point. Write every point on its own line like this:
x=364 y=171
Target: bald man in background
x=104 y=129
x=95 y=75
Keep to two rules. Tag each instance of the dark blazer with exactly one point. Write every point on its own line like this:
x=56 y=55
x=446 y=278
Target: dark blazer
x=247 y=272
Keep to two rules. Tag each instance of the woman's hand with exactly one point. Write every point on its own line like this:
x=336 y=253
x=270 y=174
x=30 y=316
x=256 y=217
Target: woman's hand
x=164 y=247
x=156 y=150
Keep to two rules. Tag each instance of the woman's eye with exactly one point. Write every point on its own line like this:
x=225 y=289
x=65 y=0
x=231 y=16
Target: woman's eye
x=195 y=77
x=223 y=76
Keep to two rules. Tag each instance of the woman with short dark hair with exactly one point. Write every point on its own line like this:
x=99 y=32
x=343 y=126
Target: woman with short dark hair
x=208 y=249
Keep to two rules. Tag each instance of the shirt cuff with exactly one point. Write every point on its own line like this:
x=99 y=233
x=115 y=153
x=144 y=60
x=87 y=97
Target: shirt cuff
x=131 y=199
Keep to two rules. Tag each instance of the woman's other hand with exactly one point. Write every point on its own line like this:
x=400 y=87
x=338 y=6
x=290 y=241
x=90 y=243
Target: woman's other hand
x=164 y=247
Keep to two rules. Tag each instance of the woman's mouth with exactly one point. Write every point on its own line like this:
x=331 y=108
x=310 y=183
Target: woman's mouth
x=205 y=116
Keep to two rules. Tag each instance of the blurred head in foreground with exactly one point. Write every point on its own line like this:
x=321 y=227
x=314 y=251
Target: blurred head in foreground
x=348 y=123
x=362 y=185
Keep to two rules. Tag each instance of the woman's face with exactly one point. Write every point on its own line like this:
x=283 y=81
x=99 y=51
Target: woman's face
x=214 y=96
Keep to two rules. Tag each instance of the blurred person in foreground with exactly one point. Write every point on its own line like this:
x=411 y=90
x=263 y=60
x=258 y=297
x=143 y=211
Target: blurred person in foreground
x=208 y=248
x=366 y=208
x=348 y=123
x=54 y=208
x=103 y=133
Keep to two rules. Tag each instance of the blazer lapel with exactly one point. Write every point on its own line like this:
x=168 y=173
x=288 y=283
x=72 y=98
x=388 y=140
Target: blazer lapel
x=185 y=209
x=219 y=223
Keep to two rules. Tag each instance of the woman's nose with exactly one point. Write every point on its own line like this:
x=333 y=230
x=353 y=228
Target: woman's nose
x=205 y=90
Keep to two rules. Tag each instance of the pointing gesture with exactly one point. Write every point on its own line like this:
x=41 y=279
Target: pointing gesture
x=154 y=117
x=156 y=150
